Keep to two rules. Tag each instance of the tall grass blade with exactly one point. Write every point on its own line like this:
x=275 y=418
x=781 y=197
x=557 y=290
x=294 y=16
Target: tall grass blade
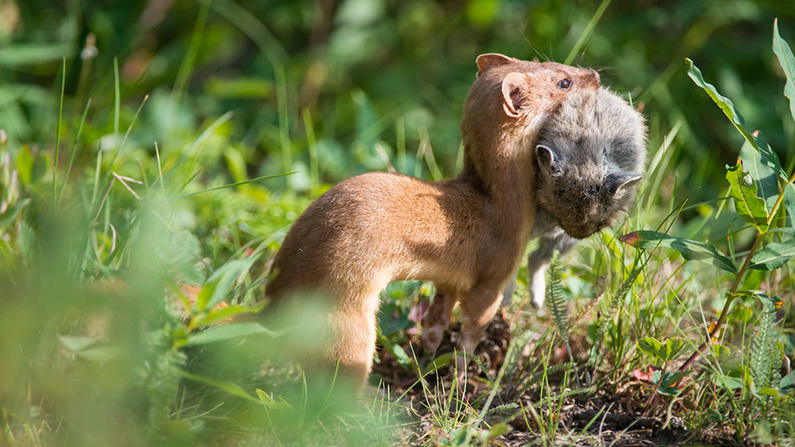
x=58 y=138
x=74 y=150
x=587 y=32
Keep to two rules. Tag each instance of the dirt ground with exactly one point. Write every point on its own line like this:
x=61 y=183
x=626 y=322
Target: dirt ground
x=597 y=416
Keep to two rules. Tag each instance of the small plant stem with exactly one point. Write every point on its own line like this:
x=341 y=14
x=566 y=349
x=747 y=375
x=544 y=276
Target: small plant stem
x=653 y=397
x=727 y=306
x=736 y=283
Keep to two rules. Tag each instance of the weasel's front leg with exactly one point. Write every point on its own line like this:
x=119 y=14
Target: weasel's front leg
x=478 y=307
x=437 y=318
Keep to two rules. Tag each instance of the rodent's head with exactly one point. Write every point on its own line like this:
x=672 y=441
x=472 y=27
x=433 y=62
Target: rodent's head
x=589 y=159
x=512 y=98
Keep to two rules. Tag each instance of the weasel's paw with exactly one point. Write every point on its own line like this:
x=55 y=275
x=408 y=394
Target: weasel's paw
x=431 y=338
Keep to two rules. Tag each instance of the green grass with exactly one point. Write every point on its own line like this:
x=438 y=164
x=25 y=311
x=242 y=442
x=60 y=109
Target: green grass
x=122 y=183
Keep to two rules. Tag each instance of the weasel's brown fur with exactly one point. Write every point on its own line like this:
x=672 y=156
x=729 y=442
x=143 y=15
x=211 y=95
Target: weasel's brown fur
x=465 y=234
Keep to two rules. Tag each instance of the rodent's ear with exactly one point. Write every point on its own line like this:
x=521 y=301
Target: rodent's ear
x=489 y=60
x=547 y=159
x=616 y=182
x=513 y=93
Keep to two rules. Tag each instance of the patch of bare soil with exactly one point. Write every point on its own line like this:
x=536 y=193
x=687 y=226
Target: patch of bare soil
x=596 y=417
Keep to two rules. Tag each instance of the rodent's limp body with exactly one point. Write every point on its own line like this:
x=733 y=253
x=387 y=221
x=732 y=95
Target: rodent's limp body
x=597 y=143
x=466 y=234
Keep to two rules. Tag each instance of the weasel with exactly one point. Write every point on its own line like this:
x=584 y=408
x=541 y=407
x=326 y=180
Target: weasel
x=594 y=154
x=466 y=234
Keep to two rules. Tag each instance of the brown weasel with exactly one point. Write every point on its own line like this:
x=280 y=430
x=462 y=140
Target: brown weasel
x=465 y=234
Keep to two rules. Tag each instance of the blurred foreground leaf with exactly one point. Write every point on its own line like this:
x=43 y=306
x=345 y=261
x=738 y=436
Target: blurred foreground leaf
x=228 y=332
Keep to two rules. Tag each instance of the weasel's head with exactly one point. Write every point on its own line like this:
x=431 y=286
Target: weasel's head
x=513 y=98
x=589 y=159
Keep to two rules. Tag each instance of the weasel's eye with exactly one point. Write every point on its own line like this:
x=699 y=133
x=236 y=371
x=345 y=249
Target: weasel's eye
x=564 y=84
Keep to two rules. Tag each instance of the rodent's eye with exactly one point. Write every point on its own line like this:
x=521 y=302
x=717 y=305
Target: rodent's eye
x=564 y=84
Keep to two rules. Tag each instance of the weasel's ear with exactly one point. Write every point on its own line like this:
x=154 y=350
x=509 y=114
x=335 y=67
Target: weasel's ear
x=489 y=60
x=621 y=180
x=547 y=159
x=513 y=93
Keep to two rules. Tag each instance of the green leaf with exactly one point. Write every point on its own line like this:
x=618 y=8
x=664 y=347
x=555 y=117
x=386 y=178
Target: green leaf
x=34 y=53
x=789 y=203
x=398 y=352
x=773 y=255
x=228 y=332
x=715 y=415
x=89 y=348
x=768 y=156
x=787 y=382
x=650 y=346
x=767 y=391
x=765 y=178
x=230 y=387
x=220 y=282
x=671 y=349
x=12 y=212
x=690 y=250
x=216 y=315
x=743 y=189
x=787 y=61
x=76 y=343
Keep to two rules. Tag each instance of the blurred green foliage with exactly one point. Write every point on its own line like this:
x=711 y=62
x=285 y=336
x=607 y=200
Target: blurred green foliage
x=362 y=73
x=232 y=91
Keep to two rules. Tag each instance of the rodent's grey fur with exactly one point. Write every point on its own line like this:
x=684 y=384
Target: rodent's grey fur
x=589 y=158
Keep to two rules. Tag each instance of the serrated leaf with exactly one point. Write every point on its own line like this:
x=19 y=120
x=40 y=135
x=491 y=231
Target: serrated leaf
x=787 y=62
x=690 y=250
x=228 y=332
x=743 y=189
x=768 y=156
x=773 y=255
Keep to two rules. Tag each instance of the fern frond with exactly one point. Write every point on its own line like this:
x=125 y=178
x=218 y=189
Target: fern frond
x=534 y=379
x=609 y=307
x=554 y=298
x=763 y=352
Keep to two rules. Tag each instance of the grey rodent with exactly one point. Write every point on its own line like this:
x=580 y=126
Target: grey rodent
x=590 y=157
